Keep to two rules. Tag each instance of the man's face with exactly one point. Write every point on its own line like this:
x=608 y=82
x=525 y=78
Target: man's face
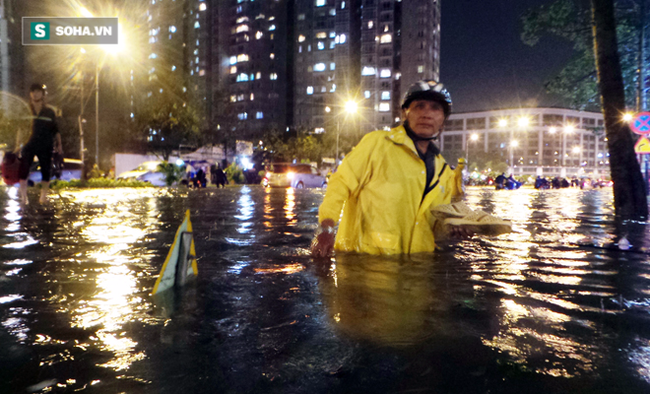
x=425 y=117
x=36 y=96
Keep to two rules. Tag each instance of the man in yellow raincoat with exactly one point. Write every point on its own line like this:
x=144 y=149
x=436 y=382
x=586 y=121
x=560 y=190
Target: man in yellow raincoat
x=388 y=184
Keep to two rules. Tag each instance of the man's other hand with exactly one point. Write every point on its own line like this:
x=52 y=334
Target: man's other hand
x=323 y=243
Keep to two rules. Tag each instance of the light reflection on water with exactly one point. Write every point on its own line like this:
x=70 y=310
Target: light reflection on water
x=555 y=299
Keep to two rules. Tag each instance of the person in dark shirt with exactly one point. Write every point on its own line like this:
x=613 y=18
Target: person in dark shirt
x=45 y=139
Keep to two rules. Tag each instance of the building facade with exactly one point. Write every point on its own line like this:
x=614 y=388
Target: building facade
x=365 y=51
x=532 y=141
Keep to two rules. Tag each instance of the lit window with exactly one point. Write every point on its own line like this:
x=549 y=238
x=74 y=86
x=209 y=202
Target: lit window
x=333 y=11
x=242 y=77
x=252 y=77
x=153 y=56
x=240 y=28
x=333 y=88
x=233 y=69
x=242 y=57
x=366 y=94
x=385 y=95
x=368 y=71
x=343 y=5
x=252 y=97
x=272 y=56
x=332 y=34
x=259 y=115
x=239 y=9
x=258 y=75
x=342 y=39
x=233 y=60
x=259 y=35
x=386 y=38
x=202 y=7
x=332 y=66
x=385 y=73
x=320 y=3
x=420 y=69
x=272 y=27
x=319 y=67
x=321 y=45
x=310 y=90
x=300 y=49
x=242 y=19
x=384 y=107
x=301 y=38
x=332 y=44
x=172 y=29
x=240 y=97
x=233 y=99
x=371 y=24
x=242 y=116
x=301 y=17
x=197 y=25
x=173 y=68
x=321 y=34
x=273 y=76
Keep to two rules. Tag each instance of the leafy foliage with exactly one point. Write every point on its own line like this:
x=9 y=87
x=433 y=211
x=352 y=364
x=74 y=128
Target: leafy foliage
x=570 y=20
x=98 y=183
x=235 y=173
x=173 y=173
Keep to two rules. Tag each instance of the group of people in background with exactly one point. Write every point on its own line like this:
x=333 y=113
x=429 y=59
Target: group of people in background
x=198 y=178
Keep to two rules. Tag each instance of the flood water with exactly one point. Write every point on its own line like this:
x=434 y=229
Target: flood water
x=561 y=305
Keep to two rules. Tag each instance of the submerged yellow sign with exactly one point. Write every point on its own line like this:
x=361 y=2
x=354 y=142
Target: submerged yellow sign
x=642 y=146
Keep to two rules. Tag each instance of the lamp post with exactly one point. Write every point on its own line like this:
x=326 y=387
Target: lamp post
x=473 y=138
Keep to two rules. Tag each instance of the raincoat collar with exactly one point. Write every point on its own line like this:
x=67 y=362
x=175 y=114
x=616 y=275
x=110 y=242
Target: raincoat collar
x=399 y=136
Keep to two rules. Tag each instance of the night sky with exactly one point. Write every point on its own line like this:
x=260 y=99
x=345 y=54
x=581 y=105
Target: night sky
x=484 y=63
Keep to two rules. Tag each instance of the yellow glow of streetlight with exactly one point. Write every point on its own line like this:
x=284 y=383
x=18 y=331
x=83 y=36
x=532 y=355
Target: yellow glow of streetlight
x=503 y=122
x=569 y=129
x=514 y=143
x=628 y=116
x=351 y=106
x=552 y=130
x=328 y=109
x=474 y=137
x=576 y=149
x=524 y=121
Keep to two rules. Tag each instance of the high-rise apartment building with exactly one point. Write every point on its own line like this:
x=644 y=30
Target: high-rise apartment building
x=178 y=42
x=254 y=67
x=368 y=51
x=11 y=60
x=260 y=66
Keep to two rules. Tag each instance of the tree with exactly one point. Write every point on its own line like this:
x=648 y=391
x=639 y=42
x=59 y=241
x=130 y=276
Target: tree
x=577 y=81
x=629 y=189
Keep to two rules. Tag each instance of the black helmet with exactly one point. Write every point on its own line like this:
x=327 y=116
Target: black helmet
x=37 y=86
x=428 y=90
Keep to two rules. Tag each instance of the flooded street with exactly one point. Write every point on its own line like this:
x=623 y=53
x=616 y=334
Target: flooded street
x=560 y=305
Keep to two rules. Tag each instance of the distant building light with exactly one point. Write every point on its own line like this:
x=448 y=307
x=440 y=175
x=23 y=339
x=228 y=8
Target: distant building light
x=320 y=3
x=202 y=7
x=384 y=107
x=368 y=71
x=319 y=67
x=310 y=90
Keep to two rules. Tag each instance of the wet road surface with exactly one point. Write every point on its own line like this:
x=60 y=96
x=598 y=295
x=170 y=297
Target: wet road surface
x=559 y=305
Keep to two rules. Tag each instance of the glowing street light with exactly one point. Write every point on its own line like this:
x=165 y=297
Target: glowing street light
x=627 y=117
x=350 y=107
x=503 y=122
x=524 y=121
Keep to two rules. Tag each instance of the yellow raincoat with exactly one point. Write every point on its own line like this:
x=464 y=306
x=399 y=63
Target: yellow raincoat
x=379 y=187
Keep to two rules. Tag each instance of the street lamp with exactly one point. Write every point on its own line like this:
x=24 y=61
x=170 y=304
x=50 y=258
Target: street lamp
x=111 y=49
x=473 y=138
x=349 y=107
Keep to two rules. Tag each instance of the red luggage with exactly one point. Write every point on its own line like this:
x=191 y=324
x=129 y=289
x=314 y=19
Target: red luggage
x=10 y=168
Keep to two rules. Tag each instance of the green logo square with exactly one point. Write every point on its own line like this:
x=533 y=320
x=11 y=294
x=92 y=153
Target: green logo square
x=39 y=30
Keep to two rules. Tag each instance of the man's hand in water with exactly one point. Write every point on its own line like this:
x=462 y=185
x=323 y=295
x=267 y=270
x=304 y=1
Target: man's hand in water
x=323 y=243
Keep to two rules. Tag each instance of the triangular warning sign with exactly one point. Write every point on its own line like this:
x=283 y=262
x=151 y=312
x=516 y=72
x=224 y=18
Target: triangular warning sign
x=642 y=146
